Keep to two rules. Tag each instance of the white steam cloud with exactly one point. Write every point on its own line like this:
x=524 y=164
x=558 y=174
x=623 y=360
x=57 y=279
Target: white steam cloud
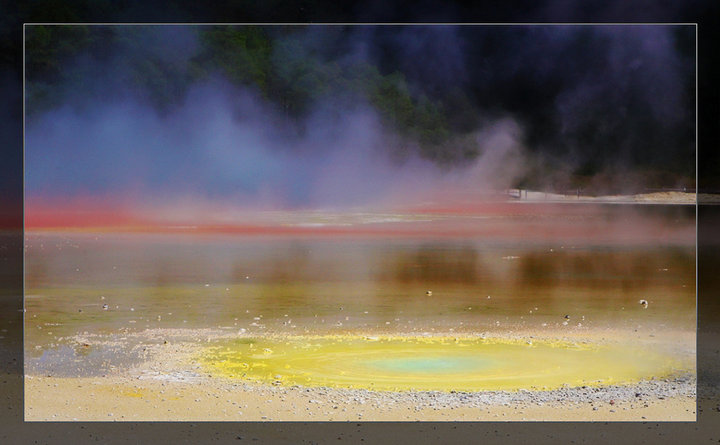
x=225 y=145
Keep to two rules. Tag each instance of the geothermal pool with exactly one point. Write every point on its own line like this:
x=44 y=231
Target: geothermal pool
x=446 y=302
x=435 y=363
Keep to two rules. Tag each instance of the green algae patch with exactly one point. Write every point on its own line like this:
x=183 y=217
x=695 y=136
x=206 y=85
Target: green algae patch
x=433 y=363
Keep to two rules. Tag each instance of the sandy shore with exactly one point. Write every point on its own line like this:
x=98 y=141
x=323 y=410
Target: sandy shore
x=168 y=384
x=124 y=399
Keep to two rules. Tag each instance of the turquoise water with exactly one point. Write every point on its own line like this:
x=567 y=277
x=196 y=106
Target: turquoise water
x=432 y=365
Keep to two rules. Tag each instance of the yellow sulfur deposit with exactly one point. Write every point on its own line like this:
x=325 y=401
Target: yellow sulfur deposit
x=433 y=363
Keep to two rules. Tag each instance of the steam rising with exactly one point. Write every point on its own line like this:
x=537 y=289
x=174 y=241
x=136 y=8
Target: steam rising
x=227 y=145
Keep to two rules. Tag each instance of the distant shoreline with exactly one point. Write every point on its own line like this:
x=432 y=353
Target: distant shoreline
x=685 y=198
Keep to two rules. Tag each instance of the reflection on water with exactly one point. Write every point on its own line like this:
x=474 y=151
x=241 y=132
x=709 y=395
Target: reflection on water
x=297 y=285
x=164 y=260
x=428 y=263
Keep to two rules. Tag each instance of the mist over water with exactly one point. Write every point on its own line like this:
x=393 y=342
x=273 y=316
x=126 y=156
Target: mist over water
x=356 y=189
x=216 y=143
x=203 y=150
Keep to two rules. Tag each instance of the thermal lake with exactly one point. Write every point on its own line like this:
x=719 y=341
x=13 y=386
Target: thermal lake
x=540 y=304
